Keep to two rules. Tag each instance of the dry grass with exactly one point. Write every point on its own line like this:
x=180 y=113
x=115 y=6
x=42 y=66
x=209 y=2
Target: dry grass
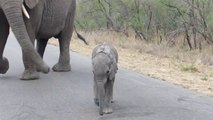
x=190 y=69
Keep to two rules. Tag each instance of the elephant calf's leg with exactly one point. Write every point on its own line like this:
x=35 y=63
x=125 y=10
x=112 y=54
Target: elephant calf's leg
x=63 y=64
x=111 y=83
x=108 y=107
x=96 y=101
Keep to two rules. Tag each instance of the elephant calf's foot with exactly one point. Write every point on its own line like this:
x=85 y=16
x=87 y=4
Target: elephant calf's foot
x=4 y=65
x=61 y=68
x=112 y=101
x=107 y=110
x=96 y=101
x=30 y=75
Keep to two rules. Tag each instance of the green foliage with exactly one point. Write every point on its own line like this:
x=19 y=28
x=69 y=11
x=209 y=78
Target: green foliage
x=147 y=16
x=204 y=78
x=87 y=18
x=189 y=68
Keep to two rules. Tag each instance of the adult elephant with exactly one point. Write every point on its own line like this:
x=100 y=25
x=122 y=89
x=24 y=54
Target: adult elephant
x=41 y=20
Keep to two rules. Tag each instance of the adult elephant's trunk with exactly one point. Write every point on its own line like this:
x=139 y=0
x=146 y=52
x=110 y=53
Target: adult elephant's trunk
x=101 y=94
x=13 y=12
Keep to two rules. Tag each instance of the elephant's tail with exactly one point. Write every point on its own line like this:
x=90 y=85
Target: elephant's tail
x=80 y=36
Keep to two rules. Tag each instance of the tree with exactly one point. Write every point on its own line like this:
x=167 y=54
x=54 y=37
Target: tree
x=150 y=19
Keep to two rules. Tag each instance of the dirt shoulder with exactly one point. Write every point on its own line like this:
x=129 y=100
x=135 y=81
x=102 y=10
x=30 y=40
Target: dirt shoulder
x=191 y=75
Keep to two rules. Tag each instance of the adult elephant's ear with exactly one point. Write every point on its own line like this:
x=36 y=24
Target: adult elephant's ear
x=31 y=3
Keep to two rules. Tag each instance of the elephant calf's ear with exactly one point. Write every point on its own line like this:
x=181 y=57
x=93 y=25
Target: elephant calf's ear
x=113 y=71
x=31 y=3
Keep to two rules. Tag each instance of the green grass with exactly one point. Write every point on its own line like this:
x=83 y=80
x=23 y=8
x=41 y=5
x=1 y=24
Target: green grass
x=189 y=68
x=204 y=78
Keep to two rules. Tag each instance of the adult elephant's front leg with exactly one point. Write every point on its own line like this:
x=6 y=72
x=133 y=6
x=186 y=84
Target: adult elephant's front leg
x=63 y=64
x=30 y=72
x=4 y=32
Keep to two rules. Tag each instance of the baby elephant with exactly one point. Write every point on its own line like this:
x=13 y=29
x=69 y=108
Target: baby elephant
x=104 y=64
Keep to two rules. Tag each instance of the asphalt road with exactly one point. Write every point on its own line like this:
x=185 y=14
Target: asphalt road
x=69 y=96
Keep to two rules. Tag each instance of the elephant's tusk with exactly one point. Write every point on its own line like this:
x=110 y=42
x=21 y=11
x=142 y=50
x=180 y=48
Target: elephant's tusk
x=25 y=12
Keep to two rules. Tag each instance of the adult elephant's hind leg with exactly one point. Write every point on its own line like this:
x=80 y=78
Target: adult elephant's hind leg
x=4 y=32
x=41 y=45
x=63 y=64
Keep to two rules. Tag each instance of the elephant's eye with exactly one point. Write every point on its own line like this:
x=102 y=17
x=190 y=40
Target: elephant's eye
x=107 y=72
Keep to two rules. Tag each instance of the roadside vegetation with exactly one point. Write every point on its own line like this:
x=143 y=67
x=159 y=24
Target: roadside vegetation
x=171 y=40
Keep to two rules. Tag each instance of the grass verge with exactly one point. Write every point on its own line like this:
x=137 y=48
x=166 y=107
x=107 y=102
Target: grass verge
x=177 y=65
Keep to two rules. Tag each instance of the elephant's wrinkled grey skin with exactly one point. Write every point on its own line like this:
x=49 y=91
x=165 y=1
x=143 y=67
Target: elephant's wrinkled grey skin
x=48 y=18
x=104 y=64
x=11 y=16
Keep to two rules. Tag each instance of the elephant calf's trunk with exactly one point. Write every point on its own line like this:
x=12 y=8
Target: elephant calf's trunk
x=101 y=94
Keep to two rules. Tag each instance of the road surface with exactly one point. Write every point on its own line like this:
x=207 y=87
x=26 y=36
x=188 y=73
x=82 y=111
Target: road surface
x=69 y=95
